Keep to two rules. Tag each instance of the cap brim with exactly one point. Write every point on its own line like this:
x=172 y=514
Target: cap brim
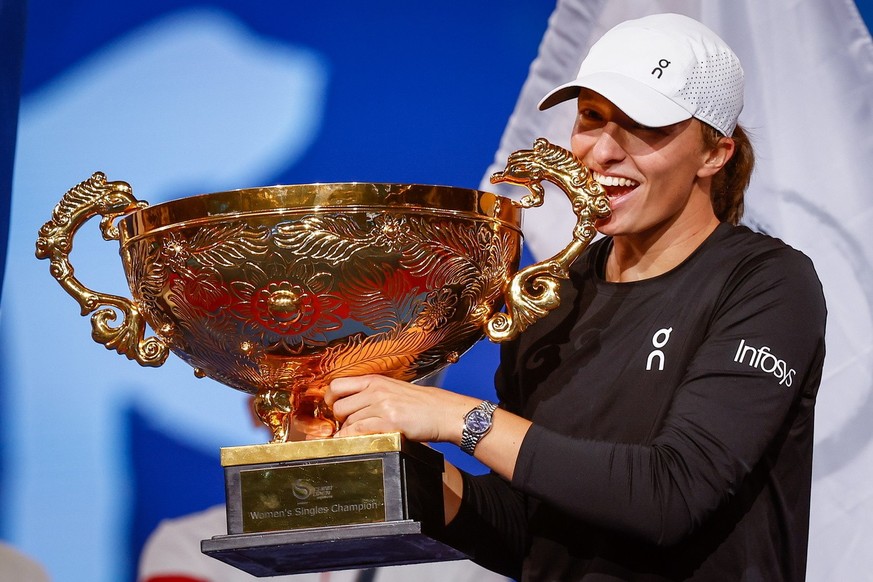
x=637 y=100
x=560 y=94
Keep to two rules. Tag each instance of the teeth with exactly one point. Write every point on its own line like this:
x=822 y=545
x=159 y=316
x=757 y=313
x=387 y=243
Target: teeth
x=614 y=180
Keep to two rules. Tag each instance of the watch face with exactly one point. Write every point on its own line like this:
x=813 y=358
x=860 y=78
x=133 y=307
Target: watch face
x=478 y=421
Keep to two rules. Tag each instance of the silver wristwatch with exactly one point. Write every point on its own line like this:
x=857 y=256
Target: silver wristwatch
x=477 y=423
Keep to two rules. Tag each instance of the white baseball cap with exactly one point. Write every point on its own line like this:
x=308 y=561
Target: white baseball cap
x=660 y=70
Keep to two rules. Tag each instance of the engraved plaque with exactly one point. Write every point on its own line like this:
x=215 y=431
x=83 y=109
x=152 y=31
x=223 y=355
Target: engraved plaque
x=332 y=504
x=314 y=495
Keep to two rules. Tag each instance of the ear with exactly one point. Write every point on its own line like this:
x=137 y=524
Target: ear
x=716 y=158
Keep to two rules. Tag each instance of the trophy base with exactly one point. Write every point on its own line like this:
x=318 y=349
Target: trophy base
x=332 y=504
x=329 y=549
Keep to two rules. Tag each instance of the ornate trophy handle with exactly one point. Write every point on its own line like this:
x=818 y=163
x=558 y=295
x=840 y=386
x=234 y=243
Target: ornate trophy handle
x=533 y=291
x=110 y=200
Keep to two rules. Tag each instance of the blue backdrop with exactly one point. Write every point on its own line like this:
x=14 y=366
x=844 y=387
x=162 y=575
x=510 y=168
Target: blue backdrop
x=179 y=97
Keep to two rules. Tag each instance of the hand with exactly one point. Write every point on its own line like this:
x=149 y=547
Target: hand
x=377 y=404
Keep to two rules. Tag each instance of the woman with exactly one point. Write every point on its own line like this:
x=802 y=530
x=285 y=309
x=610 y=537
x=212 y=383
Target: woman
x=658 y=424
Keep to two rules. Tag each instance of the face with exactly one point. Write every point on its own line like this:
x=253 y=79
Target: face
x=656 y=178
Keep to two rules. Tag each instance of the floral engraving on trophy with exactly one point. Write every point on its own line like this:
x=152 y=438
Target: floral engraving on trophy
x=287 y=308
x=275 y=291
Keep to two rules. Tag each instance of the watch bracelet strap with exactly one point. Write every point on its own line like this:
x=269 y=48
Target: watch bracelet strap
x=488 y=406
x=470 y=440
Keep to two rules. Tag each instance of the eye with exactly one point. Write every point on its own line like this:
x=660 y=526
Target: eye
x=639 y=127
x=589 y=118
x=655 y=131
x=589 y=114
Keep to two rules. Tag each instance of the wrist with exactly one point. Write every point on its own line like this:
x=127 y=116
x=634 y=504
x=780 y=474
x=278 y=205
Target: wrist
x=477 y=423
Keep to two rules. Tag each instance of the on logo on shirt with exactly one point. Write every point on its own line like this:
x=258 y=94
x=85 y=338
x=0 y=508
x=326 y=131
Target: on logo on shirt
x=659 y=340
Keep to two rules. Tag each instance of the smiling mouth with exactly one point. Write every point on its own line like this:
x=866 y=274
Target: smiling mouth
x=615 y=186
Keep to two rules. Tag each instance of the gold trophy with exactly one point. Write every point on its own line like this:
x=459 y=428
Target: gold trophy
x=275 y=291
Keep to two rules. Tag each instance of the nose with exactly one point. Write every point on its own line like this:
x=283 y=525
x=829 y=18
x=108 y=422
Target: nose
x=607 y=148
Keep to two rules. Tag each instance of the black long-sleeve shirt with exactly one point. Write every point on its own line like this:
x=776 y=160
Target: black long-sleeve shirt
x=672 y=424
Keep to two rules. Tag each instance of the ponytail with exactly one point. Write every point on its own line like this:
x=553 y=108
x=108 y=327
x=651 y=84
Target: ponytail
x=730 y=183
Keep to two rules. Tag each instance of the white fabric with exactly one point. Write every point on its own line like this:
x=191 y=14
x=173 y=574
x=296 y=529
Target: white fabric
x=809 y=89
x=174 y=549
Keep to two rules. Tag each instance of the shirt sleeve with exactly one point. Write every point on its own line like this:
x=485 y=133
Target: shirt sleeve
x=748 y=392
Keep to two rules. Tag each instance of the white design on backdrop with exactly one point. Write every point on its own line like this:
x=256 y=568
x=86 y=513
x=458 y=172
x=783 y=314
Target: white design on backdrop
x=809 y=78
x=190 y=103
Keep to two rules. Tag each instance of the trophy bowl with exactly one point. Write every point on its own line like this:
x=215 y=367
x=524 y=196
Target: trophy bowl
x=277 y=290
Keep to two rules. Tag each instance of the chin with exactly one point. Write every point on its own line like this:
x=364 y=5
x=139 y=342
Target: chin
x=606 y=227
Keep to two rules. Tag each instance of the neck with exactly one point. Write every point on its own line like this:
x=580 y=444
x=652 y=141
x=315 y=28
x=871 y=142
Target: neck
x=638 y=257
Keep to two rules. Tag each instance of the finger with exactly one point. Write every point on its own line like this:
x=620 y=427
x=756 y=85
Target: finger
x=369 y=425
x=342 y=387
x=347 y=406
